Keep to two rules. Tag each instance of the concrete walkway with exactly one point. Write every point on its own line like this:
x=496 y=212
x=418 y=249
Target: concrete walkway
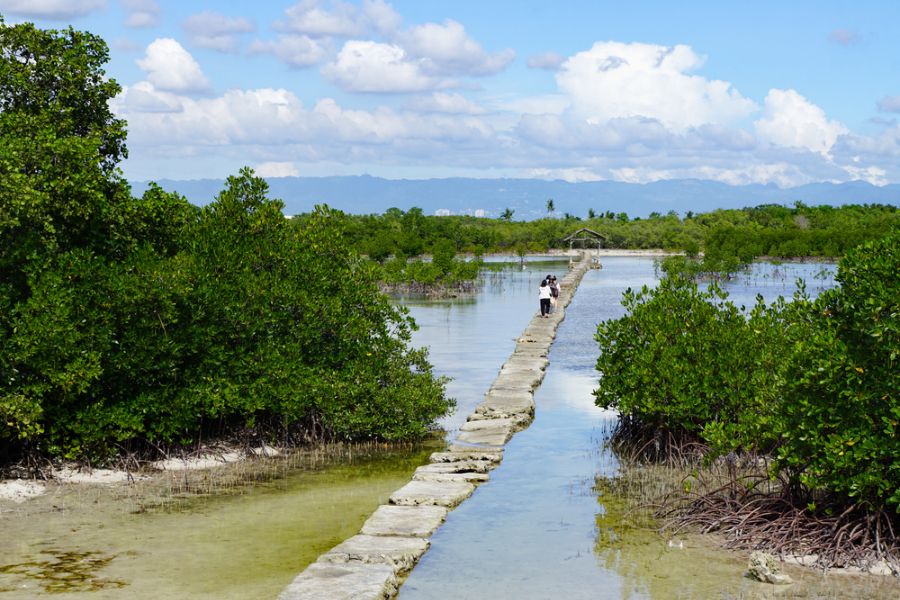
x=372 y=564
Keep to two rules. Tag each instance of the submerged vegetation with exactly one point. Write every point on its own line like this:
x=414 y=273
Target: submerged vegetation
x=811 y=384
x=143 y=323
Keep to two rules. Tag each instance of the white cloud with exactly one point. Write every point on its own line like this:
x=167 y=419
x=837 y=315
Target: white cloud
x=298 y=51
x=54 y=10
x=382 y=17
x=448 y=50
x=792 y=121
x=442 y=102
x=276 y=117
x=141 y=13
x=443 y=212
x=277 y=169
x=572 y=175
x=171 y=68
x=617 y=80
x=310 y=17
x=366 y=66
x=547 y=60
x=217 y=31
x=142 y=97
x=871 y=174
x=549 y=104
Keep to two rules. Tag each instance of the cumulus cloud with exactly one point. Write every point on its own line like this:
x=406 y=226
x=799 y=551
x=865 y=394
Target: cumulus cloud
x=298 y=51
x=273 y=117
x=447 y=50
x=889 y=104
x=618 y=80
x=171 y=68
x=793 y=121
x=143 y=97
x=367 y=66
x=572 y=175
x=53 y=10
x=277 y=169
x=547 y=60
x=216 y=31
x=141 y=13
x=381 y=17
x=442 y=102
x=313 y=18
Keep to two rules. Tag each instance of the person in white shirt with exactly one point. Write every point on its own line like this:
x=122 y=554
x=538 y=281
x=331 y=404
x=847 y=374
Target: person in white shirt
x=544 y=296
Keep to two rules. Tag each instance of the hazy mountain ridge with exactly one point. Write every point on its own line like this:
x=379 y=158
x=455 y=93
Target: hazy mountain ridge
x=528 y=197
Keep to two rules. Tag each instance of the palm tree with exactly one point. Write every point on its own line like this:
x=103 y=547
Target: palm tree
x=507 y=214
x=550 y=206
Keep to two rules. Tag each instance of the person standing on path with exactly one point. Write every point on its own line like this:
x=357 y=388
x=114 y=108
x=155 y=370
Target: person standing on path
x=544 y=296
x=554 y=292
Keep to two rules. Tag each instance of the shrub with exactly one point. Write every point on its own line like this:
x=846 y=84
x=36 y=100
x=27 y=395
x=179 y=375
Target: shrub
x=840 y=417
x=682 y=359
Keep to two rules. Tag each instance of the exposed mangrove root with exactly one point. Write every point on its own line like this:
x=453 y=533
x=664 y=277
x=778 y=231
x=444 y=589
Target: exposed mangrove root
x=754 y=512
x=427 y=290
x=635 y=443
x=737 y=498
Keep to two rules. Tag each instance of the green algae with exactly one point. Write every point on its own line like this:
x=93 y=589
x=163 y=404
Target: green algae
x=235 y=532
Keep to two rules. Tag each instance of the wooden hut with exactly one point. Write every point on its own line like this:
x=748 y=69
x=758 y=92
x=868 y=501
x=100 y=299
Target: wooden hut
x=586 y=239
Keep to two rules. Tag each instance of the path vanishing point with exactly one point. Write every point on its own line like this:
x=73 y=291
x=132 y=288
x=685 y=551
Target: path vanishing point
x=373 y=563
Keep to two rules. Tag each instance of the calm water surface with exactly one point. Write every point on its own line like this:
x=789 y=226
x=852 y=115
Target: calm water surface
x=528 y=533
x=531 y=531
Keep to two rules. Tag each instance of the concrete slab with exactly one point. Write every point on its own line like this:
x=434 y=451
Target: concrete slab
x=513 y=383
x=519 y=361
x=487 y=425
x=350 y=581
x=495 y=436
x=520 y=419
x=409 y=521
x=435 y=493
x=460 y=466
x=509 y=400
x=399 y=553
x=424 y=473
x=462 y=453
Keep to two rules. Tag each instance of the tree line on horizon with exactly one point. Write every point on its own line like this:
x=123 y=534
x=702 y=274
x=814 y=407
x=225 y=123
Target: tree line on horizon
x=740 y=234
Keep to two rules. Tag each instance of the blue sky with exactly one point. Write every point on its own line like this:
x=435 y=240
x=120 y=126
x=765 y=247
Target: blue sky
x=782 y=93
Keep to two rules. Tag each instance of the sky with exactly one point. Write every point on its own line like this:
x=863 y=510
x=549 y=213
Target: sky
x=770 y=92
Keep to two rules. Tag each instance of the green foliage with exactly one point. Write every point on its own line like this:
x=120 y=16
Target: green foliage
x=442 y=254
x=684 y=360
x=814 y=382
x=727 y=239
x=840 y=419
x=59 y=144
x=131 y=321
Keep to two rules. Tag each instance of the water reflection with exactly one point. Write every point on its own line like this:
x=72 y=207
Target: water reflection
x=538 y=529
x=471 y=338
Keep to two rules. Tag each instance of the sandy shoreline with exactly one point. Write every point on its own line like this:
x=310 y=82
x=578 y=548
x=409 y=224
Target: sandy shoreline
x=22 y=490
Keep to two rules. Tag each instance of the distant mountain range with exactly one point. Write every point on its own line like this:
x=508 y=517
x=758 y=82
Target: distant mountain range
x=528 y=197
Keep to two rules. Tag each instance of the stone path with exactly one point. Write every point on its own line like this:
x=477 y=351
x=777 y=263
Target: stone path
x=372 y=564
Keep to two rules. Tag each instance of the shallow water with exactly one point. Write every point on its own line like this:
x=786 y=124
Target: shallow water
x=471 y=338
x=113 y=542
x=539 y=530
x=250 y=541
x=531 y=532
